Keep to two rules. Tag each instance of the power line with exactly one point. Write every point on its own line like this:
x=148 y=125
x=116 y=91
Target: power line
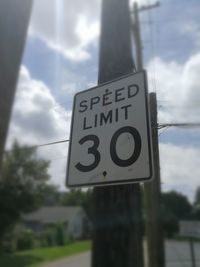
x=186 y=124
x=51 y=143
x=41 y=145
x=164 y=129
x=160 y=21
x=178 y=107
x=159 y=126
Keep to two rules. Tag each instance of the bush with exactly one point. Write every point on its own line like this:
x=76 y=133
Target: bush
x=47 y=238
x=69 y=239
x=60 y=234
x=55 y=235
x=25 y=240
x=8 y=244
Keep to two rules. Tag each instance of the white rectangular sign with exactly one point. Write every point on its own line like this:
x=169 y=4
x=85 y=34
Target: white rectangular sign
x=110 y=138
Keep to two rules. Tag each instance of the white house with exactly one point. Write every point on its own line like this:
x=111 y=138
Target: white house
x=74 y=220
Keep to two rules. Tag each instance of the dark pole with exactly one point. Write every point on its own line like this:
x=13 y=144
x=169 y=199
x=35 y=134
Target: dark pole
x=152 y=190
x=117 y=236
x=14 y=18
x=192 y=252
x=152 y=195
x=137 y=35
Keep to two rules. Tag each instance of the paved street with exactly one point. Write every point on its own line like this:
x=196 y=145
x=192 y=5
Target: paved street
x=177 y=255
x=82 y=260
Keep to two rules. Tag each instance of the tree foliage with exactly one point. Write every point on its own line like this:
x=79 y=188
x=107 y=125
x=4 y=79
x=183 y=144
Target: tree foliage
x=78 y=197
x=175 y=207
x=196 y=207
x=197 y=196
x=22 y=184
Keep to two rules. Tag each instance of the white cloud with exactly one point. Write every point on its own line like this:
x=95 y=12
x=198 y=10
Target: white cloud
x=180 y=168
x=36 y=119
x=68 y=27
x=177 y=88
x=37 y=113
x=189 y=27
x=69 y=88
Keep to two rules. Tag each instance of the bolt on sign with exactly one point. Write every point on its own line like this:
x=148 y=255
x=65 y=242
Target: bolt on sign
x=110 y=141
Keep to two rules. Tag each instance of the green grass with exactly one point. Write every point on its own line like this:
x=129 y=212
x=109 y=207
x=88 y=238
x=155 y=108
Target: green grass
x=185 y=239
x=38 y=256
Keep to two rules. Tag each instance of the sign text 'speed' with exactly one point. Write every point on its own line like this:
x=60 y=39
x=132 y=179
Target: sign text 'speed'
x=108 y=98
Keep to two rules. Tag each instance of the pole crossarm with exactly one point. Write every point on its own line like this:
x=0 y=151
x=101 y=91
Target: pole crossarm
x=147 y=7
x=144 y=8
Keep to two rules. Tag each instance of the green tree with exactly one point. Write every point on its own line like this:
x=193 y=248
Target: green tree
x=51 y=196
x=197 y=196
x=23 y=183
x=196 y=206
x=175 y=207
x=78 y=197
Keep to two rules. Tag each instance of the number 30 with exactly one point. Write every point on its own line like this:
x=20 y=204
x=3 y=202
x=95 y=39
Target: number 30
x=113 y=153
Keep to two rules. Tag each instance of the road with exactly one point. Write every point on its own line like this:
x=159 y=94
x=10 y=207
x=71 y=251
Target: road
x=82 y=260
x=177 y=254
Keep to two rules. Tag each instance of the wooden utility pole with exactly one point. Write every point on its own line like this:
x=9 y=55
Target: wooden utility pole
x=117 y=235
x=192 y=252
x=137 y=37
x=152 y=190
x=14 y=19
x=152 y=199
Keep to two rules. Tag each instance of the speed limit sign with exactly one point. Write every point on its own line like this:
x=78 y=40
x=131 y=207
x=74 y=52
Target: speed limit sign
x=110 y=139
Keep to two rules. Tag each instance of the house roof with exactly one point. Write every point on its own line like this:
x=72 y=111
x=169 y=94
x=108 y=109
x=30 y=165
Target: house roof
x=48 y=215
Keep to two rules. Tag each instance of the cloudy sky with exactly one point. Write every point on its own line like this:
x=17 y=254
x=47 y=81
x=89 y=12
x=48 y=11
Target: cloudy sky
x=61 y=58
